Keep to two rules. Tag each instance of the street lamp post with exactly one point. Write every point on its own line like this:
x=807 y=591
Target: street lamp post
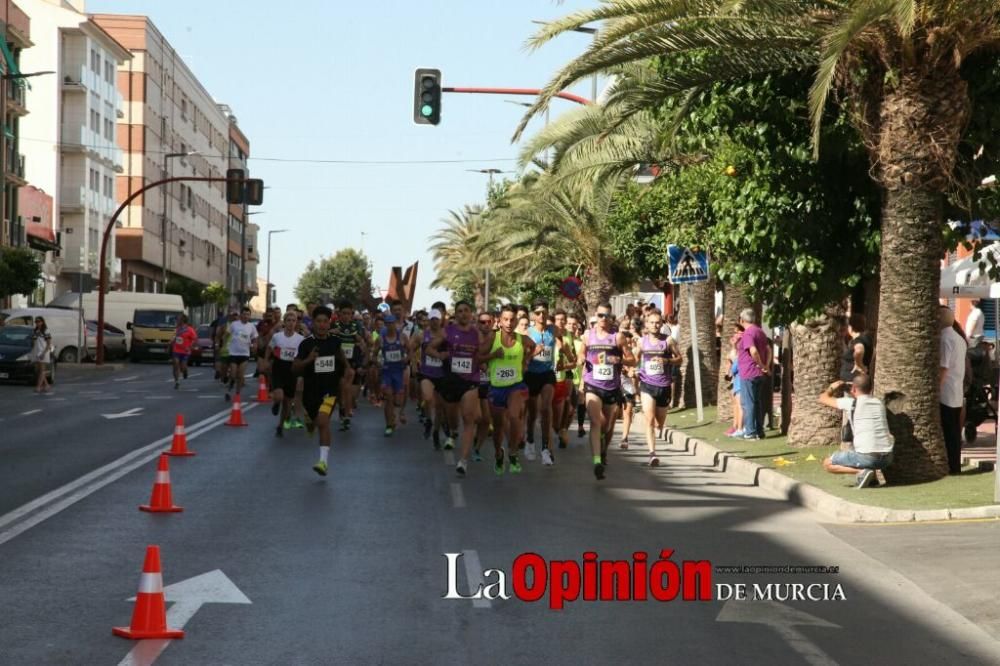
x=267 y=298
x=486 y=283
x=166 y=200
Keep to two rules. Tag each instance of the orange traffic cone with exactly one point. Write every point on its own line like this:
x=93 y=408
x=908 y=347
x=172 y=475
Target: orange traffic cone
x=161 y=500
x=236 y=415
x=180 y=444
x=149 y=618
x=262 y=392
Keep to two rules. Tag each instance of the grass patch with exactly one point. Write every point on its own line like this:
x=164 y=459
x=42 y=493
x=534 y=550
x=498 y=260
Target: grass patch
x=951 y=492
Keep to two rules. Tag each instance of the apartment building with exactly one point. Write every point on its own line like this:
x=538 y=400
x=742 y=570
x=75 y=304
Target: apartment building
x=241 y=245
x=171 y=127
x=71 y=149
x=16 y=40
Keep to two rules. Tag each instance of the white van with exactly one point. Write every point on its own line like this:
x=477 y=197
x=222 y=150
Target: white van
x=119 y=306
x=65 y=326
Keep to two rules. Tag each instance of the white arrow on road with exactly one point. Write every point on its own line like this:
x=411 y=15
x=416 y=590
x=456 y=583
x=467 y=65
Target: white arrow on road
x=784 y=619
x=124 y=415
x=187 y=596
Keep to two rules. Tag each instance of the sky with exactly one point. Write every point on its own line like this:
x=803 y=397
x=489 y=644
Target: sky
x=324 y=80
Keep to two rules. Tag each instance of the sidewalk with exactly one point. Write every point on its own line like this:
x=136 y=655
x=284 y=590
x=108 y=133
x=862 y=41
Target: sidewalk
x=798 y=476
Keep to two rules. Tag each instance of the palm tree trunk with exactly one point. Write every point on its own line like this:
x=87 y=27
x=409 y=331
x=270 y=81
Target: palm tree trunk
x=596 y=289
x=871 y=286
x=818 y=345
x=908 y=351
x=734 y=301
x=704 y=305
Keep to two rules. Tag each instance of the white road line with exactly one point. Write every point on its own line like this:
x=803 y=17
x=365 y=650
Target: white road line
x=457 y=496
x=30 y=412
x=55 y=501
x=449 y=458
x=57 y=399
x=474 y=574
x=126 y=379
x=159 y=397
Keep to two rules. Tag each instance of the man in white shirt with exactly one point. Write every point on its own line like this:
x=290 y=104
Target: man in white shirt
x=952 y=386
x=871 y=441
x=242 y=338
x=974 y=322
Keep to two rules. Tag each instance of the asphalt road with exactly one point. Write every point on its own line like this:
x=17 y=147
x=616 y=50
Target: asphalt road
x=350 y=569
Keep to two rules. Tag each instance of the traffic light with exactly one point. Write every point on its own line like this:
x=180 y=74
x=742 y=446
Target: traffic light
x=235 y=185
x=255 y=192
x=427 y=96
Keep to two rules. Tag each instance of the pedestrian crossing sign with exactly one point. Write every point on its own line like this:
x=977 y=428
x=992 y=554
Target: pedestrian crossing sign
x=687 y=265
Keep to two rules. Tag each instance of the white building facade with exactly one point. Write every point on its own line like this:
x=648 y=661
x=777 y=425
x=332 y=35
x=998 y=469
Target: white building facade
x=70 y=138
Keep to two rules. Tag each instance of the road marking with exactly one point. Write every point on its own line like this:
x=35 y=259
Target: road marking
x=783 y=619
x=474 y=574
x=159 y=397
x=449 y=458
x=105 y=397
x=55 y=501
x=124 y=415
x=187 y=597
x=126 y=379
x=57 y=399
x=457 y=496
x=30 y=412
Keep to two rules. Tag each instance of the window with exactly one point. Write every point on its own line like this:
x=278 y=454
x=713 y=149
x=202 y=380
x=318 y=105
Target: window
x=95 y=121
x=189 y=200
x=95 y=180
x=93 y=235
x=109 y=72
x=109 y=129
x=109 y=186
x=95 y=61
x=183 y=196
x=184 y=108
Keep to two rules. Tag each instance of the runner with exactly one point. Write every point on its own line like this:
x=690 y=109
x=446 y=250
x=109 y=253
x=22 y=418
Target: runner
x=565 y=363
x=284 y=347
x=416 y=336
x=375 y=364
x=460 y=385
x=222 y=337
x=657 y=353
x=392 y=346
x=349 y=331
x=627 y=411
x=242 y=336
x=265 y=327
x=604 y=352
x=486 y=332
x=184 y=338
x=321 y=363
x=579 y=398
x=508 y=353
x=541 y=380
x=430 y=372
x=402 y=326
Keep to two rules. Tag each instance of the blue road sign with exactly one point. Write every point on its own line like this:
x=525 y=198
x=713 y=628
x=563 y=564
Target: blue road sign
x=686 y=265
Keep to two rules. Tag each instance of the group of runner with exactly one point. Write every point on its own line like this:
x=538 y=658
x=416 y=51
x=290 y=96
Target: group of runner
x=474 y=378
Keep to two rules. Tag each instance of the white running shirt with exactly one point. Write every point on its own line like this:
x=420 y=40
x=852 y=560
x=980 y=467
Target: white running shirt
x=241 y=337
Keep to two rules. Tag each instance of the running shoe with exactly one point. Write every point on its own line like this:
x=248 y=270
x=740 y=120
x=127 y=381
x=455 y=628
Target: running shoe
x=729 y=433
x=515 y=465
x=547 y=457
x=653 y=460
x=623 y=445
x=604 y=459
x=460 y=468
x=498 y=465
x=737 y=434
x=288 y=425
x=599 y=471
x=320 y=468
x=580 y=432
x=388 y=431
x=529 y=450
x=298 y=424
x=275 y=408
x=865 y=478
x=449 y=443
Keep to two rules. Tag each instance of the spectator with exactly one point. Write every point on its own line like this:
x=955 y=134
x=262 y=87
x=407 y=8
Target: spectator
x=952 y=379
x=974 y=322
x=734 y=377
x=754 y=363
x=857 y=356
x=871 y=442
x=41 y=354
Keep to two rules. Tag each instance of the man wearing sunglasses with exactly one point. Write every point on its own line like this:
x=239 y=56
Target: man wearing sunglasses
x=871 y=441
x=541 y=379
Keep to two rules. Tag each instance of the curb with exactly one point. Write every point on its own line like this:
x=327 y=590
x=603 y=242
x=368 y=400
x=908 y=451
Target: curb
x=811 y=497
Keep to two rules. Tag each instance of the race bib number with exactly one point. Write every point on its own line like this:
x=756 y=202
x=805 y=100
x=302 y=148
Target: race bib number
x=393 y=356
x=325 y=364
x=287 y=354
x=545 y=356
x=432 y=362
x=461 y=365
x=604 y=371
x=244 y=336
x=179 y=341
x=506 y=374
x=654 y=366
x=348 y=350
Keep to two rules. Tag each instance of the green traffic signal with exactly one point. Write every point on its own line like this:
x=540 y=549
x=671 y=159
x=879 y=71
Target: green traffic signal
x=427 y=96
x=426 y=110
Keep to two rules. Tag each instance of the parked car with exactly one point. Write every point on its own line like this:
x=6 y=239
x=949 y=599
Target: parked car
x=65 y=327
x=204 y=350
x=15 y=355
x=115 y=343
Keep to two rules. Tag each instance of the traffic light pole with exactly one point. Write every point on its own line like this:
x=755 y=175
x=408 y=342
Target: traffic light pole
x=103 y=280
x=532 y=92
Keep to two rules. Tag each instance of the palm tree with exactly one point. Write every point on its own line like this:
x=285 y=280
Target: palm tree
x=818 y=343
x=897 y=67
x=458 y=261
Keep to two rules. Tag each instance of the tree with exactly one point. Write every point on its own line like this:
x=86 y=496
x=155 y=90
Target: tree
x=20 y=271
x=897 y=67
x=215 y=293
x=190 y=290
x=459 y=261
x=344 y=276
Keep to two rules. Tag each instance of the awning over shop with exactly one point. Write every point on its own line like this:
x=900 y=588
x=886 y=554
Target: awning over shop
x=41 y=237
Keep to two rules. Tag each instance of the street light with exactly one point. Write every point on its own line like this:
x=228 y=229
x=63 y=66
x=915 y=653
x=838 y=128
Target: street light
x=486 y=286
x=267 y=298
x=166 y=199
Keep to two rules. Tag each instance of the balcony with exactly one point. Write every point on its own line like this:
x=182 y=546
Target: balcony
x=74 y=80
x=15 y=165
x=72 y=199
x=15 y=98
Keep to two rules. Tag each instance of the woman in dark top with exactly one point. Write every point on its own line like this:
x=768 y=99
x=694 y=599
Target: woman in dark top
x=857 y=357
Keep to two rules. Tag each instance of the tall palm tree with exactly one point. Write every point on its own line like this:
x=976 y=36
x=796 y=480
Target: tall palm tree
x=456 y=249
x=897 y=67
